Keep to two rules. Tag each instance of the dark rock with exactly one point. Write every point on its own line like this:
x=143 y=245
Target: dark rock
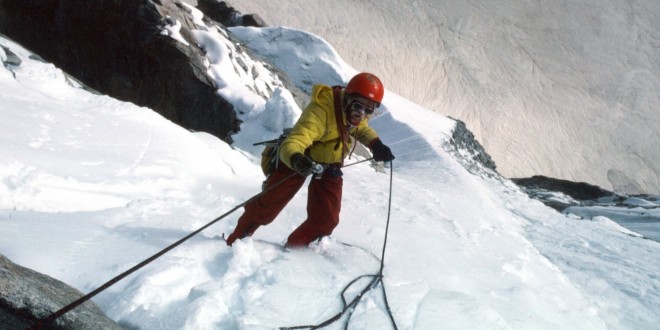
x=219 y=11
x=253 y=20
x=578 y=190
x=116 y=47
x=27 y=296
x=12 y=59
x=469 y=148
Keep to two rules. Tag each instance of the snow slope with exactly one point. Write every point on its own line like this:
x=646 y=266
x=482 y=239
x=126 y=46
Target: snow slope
x=90 y=186
x=555 y=88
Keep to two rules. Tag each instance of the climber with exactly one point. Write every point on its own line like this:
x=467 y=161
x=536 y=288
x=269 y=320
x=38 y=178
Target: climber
x=318 y=144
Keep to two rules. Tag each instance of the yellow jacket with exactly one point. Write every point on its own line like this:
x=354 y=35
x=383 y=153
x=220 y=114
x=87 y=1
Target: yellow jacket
x=316 y=134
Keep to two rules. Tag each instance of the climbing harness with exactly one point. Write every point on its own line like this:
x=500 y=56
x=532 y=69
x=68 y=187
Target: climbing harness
x=47 y=321
x=376 y=279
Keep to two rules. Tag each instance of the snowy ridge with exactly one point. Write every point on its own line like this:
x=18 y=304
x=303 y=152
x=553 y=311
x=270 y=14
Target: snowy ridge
x=90 y=186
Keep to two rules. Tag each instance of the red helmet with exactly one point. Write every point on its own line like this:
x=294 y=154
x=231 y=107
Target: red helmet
x=366 y=85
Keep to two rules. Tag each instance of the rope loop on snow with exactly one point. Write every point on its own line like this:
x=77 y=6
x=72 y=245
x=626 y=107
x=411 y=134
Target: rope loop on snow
x=376 y=279
x=47 y=321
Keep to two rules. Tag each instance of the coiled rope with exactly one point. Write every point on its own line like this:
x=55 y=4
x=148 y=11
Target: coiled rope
x=376 y=279
x=47 y=321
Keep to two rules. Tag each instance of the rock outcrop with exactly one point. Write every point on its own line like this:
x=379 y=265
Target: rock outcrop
x=119 y=48
x=27 y=296
x=577 y=190
x=469 y=151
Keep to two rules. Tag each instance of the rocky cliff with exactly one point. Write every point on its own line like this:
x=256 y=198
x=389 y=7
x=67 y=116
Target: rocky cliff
x=125 y=49
x=27 y=296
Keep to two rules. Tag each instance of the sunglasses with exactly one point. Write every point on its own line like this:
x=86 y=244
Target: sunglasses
x=359 y=107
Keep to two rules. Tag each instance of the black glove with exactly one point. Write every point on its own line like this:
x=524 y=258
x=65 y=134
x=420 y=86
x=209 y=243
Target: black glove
x=382 y=153
x=302 y=164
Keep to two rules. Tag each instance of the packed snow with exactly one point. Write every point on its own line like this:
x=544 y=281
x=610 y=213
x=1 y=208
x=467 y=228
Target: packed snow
x=91 y=186
x=565 y=89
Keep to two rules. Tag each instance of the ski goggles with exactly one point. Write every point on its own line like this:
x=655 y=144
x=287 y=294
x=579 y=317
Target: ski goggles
x=361 y=108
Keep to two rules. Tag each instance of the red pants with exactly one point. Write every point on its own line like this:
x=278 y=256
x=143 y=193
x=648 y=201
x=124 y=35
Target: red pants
x=323 y=206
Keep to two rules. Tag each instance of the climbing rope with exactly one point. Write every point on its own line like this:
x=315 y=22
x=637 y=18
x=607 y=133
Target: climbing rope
x=348 y=308
x=45 y=322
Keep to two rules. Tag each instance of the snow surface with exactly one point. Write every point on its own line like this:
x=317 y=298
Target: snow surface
x=90 y=186
x=555 y=88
